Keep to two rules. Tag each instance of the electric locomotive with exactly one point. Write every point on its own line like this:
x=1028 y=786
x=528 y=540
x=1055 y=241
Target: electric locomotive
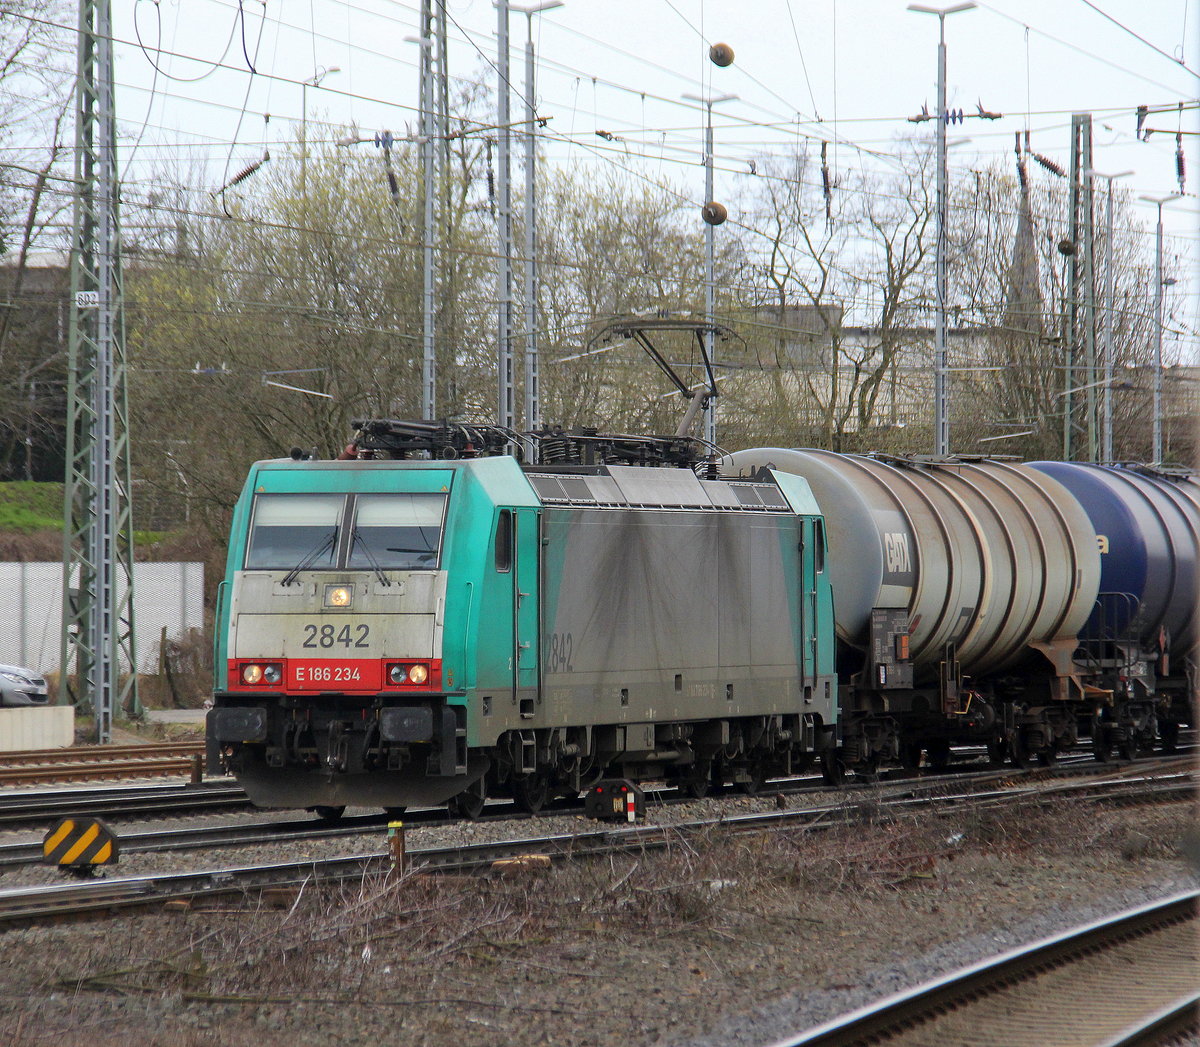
x=428 y=620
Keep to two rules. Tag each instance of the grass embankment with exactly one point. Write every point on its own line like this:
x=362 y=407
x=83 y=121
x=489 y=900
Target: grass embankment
x=31 y=515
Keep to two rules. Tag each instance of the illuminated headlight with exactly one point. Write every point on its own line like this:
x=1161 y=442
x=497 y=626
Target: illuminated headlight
x=338 y=595
x=408 y=674
x=253 y=673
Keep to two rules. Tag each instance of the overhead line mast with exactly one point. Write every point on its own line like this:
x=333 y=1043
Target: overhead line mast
x=97 y=633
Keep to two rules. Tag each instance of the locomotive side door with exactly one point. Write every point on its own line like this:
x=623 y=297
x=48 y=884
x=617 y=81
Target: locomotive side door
x=526 y=548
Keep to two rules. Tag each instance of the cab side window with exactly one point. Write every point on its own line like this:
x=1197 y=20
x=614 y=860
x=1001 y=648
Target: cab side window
x=504 y=541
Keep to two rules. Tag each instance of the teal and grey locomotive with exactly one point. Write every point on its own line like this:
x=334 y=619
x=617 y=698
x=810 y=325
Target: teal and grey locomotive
x=397 y=630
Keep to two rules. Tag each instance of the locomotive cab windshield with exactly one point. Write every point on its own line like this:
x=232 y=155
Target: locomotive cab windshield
x=297 y=532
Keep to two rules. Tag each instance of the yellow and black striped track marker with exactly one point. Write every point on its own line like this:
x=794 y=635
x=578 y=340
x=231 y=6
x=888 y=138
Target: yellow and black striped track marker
x=78 y=843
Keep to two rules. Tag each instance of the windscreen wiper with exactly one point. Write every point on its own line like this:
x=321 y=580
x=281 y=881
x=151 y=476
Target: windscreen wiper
x=358 y=539
x=328 y=542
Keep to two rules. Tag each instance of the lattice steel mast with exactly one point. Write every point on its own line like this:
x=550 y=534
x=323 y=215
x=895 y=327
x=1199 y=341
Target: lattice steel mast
x=98 y=533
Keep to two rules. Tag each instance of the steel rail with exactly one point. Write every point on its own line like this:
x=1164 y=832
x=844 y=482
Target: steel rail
x=120 y=802
x=66 y=771
x=100 y=753
x=1164 y=1026
x=894 y=1016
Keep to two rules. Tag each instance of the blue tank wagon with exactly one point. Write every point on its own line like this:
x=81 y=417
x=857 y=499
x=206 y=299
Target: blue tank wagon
x=398 y=632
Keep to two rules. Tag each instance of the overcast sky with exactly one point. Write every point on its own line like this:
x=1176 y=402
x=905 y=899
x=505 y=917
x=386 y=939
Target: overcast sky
x=849 y=71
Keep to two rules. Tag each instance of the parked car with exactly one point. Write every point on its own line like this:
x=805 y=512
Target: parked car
x=20 y=686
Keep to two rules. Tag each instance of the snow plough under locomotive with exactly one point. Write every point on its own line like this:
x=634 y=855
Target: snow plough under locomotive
x=427 y=619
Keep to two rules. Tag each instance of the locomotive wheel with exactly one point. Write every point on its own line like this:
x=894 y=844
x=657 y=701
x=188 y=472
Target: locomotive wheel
x=329 y=814
x=531 y=792
x=751 y=785
x=939 y=754
x=469 y=803
x=395 y=812
x=1168 y=732
x=698 y=781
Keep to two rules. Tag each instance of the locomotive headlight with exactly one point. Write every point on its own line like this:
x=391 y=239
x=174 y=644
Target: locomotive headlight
x=398 y=673
x=252 y=673
x=272 y=674
x=418 y=674
x=338 y=595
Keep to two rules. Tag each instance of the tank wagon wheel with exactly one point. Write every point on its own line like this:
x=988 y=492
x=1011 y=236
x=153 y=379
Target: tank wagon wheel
x=1020 y=751
x=531 y=792
x=833 y=768
x=395 y=812
x=329 y=813
x=997 y=749
x=1168 y=732
x=1101 y=742
x=910 y=756
x=1127 y=748
x=1048 y=756
x=939 y=754
x=470 y=802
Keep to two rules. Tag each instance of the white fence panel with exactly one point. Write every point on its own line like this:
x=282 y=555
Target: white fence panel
x=169 y=595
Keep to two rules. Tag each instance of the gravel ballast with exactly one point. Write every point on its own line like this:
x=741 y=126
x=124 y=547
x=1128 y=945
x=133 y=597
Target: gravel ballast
x=733 y=940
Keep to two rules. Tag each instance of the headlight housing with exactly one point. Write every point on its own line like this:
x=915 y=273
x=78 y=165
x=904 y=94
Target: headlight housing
x=261 y=672
x=408 y=675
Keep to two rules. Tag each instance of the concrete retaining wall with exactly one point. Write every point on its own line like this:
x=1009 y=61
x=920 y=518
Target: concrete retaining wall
x=46 y=727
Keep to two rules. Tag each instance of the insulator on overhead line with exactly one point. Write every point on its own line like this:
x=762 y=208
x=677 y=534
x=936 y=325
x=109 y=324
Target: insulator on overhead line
x=1180 y=166
x=1142 y=112
x=721 y=54
x=714 y=213
x=246 y=172
x=1049 y=165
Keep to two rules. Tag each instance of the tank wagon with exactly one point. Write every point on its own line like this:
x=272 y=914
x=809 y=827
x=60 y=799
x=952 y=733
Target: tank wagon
x=1140 y=642
x=395 y=631
x=1014 y=605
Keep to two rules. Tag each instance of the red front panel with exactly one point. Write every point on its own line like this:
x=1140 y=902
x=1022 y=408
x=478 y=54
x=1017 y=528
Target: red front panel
x=333 y=674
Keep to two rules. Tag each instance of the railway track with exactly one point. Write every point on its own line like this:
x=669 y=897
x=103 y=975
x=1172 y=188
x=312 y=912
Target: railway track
x=23 y=905
x=1129 y=979
x=988 y=787
x=102 y=762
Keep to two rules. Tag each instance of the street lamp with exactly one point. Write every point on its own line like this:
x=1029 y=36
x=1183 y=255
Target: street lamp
x=710 y=278
x=1110 y=315
x=313 y=81
x=1158 y=201
x=941 y=410
x=533 y=403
